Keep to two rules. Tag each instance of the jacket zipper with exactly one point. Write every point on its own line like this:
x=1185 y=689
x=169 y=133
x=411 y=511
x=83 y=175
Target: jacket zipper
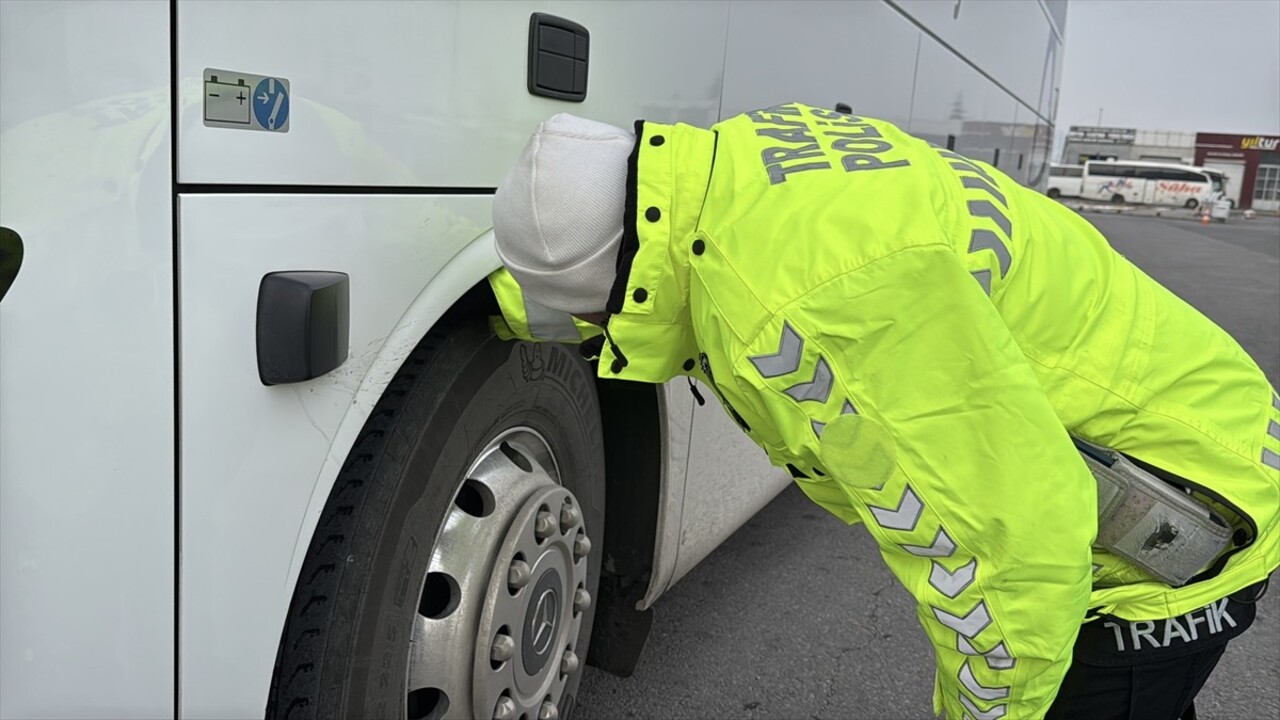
x=711 y=380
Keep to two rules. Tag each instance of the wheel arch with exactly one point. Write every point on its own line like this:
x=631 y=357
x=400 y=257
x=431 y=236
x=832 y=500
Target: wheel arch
x=632 y=424
x=459 y=287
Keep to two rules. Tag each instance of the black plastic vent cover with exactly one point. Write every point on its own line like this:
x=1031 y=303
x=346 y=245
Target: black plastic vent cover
x=558 y=51
x=304 y=321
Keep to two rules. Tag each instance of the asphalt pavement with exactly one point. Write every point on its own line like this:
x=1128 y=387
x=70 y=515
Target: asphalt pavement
x=795 y=616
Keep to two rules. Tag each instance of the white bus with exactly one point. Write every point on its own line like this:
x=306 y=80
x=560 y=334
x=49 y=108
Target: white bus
x=1065 y=181
x=261 y=451
x=1150 y=183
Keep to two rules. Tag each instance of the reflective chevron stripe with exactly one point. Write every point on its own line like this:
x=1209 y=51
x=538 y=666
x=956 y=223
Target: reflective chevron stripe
x=974 y=183
x=967 y=166
x=977 y=689
x=903 y=517
x=1270 y=459
x=942 y=546
x=974 y=622
x=986 y=209
x=980 y=239
x=986 y=240
x=998 y=657
x=952 y=584
x=994 y=713
x=984 y=279
x=846 y=409
x=548 y=324
x=786 y=360
x=964 y=164
x=818 y=389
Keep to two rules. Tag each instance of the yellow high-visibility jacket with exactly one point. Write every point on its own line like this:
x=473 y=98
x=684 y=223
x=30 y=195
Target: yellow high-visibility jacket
x=916 y=337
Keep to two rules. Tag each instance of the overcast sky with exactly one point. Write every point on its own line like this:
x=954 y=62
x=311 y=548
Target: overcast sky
x=1190 y=65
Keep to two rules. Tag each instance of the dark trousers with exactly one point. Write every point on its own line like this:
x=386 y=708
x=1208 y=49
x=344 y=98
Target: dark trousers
x=1160 y=690
x=1122 y=670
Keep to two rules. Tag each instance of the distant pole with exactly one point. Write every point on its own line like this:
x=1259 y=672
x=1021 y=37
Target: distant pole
x=1099 y=117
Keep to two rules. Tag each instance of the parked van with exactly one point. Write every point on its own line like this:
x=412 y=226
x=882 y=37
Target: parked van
x=261 y=448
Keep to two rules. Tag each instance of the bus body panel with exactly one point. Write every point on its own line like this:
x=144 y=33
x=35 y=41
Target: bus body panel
x=428 y=93
x=86 y=363
x=258 y=462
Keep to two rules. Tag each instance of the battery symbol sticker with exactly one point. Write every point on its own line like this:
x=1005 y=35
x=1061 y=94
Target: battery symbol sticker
x=224 y=102
x=244 y=101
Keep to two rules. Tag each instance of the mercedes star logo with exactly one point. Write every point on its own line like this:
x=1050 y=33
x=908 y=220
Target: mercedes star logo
x=543 y=622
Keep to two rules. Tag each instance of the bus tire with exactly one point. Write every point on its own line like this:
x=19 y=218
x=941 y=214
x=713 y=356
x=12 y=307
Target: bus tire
x=452 y=565
x=1191 y=203
x=1054 y=193
x=1117 y=199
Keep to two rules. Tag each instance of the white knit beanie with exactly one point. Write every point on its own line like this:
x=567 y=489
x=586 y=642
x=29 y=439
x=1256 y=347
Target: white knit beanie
x=557 y=216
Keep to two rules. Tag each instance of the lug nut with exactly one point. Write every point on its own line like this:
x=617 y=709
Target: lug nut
x=569 y=516
x=545 y=526
x=503 y=649
x=581 y=600
x=568 y=663
x=518 y=575
x=581 y=548
x=548 y=711
x=505 y=709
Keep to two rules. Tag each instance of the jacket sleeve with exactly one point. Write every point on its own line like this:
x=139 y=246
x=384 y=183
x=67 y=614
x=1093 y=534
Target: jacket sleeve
x=524 y=319
x=937 y=429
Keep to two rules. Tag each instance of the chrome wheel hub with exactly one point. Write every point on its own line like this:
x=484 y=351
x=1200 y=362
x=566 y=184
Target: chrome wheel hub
x=505 y=592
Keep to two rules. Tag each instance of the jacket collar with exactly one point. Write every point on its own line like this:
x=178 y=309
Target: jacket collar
x=650 y=336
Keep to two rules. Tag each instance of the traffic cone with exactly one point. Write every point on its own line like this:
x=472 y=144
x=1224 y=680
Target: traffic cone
x=1204 y=218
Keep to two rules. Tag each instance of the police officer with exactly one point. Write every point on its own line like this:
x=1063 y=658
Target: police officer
x=918 y=339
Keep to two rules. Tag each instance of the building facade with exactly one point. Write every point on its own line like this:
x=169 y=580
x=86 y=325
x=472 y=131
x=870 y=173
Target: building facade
x=1110 y=143
x=1251 y=164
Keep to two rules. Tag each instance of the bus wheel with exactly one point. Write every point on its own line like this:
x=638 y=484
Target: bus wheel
x=1191 y=203
x=1054 y=193
x=452 y=571
x=1117 y=198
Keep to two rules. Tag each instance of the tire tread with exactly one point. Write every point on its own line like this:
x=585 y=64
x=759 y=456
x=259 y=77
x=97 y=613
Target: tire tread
x=321 y=574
